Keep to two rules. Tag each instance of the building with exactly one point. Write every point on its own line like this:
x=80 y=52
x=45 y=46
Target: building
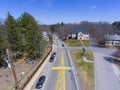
x=79 y=34
x=112 y=40
x=45 y=36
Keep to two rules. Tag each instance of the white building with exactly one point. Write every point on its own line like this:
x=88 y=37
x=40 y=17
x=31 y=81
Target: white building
x=83 y=36
x=112 y=40
x=79 y=34
x=45 y=36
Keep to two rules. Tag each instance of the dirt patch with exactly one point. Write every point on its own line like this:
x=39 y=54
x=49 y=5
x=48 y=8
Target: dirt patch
x=23 y=69
x=6 y=77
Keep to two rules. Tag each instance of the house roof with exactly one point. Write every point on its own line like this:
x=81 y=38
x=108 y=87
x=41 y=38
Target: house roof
x=84 y=31
x=112 y=37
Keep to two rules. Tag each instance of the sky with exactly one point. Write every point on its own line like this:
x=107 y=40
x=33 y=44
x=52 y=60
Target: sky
x=67 y=11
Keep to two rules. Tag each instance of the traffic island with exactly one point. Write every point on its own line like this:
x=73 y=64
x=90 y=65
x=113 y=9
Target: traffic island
x=85 y=70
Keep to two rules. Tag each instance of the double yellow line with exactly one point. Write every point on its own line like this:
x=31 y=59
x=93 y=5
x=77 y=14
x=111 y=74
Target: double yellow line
x=61 y=82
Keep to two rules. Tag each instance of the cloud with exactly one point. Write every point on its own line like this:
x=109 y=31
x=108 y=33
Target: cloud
x=93 y=7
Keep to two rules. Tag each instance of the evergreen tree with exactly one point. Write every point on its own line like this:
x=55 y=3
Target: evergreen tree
x=2 y=51
x=52 y=28
x=13 y=33
x=29 y=27
x=117 y=24
x=40 y=43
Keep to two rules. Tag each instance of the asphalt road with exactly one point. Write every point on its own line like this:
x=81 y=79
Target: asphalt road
x=105 y=71
x=106 y=77
x=70 y=78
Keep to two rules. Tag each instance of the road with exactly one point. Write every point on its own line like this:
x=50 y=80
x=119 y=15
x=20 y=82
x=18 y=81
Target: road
x=60 y=79
x=106 y=77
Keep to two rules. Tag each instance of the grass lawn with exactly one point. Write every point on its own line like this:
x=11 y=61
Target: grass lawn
x=86 y=42
x=85 y=70
x=89 y=55
x=75 y=42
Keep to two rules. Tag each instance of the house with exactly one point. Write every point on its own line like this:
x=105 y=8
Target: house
x=79 y=34
x=112 y=40
x=45 y=36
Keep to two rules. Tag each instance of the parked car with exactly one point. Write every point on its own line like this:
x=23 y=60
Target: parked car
x=54 y=54
x=62 y=45
x=40 y=82
x=52 y=58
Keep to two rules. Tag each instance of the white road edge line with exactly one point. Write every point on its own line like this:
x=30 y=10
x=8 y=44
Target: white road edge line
x=74 y=71
x=46 y=74
x=116 y=70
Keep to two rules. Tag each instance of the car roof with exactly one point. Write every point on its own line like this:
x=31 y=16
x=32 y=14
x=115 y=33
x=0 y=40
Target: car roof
x=54 y=53
x=42 y=77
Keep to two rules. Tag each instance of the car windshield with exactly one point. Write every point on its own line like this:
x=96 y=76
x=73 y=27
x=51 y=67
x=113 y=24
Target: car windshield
x=51 y=57
x=40 y=82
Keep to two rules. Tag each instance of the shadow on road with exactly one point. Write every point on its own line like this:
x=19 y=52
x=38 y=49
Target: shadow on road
x=111 y=60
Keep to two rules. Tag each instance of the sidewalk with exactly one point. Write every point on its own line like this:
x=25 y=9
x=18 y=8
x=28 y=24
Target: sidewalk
x=85 y=60
x=31 y=83
x=37 y=74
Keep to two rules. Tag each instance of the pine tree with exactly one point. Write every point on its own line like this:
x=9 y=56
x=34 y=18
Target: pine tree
x=13 y=33
x=29 y=27
x=40 y=44
x=2 y=51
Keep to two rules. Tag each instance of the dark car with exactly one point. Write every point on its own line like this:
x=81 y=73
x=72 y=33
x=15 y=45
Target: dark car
x=62 y=45
x=40 y=82
x=52 y=58
x=54 y=54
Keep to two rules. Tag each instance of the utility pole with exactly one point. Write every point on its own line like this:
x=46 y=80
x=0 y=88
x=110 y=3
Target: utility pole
x=83 y=48
x=10 y=65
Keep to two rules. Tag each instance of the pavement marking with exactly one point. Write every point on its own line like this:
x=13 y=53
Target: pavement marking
x=116 y=70
x=74 y=71
x=64 y=80
x=48 y=68
x=61 y=68
x=61 y=82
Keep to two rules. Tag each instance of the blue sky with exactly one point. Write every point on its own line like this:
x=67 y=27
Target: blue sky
x=68 y=11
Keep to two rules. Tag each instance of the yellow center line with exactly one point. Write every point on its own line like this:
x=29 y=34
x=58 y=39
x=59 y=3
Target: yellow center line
x=61 y=68
x=64 y=81
x=61 y=82
x=61 y=87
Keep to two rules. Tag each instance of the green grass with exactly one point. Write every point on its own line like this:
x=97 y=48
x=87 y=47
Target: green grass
x=88 y=67
x=75 y=42
x=89 y=55
x=86 y=42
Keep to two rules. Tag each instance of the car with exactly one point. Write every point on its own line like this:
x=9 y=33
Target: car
x=52 y=58
x=40 y=82
x=62 y=45
x=54 y=54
